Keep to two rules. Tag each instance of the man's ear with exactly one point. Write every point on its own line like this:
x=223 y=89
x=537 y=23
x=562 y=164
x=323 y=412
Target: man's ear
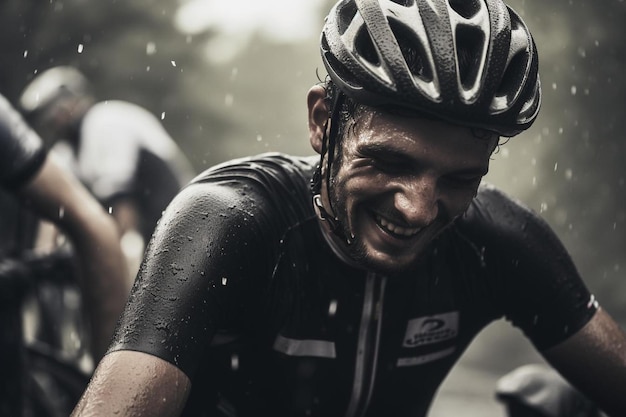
x=318 y=116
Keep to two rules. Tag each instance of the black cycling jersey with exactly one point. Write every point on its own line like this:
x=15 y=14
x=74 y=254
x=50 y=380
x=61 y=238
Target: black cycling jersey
x=241 y=291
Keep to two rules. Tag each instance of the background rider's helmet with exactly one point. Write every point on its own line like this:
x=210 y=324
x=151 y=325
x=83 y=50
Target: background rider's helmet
x=51 y=85
x=469 y=62
x=56 y=100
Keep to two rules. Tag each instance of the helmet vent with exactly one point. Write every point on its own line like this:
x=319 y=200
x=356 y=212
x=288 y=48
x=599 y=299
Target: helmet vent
x=365 y=47
x=513 y=77
x=469 y=43
x=412 y=51
x=346 y=15
x=341 y=71
x=324 y=43
x=466 y=8
x=405 y=3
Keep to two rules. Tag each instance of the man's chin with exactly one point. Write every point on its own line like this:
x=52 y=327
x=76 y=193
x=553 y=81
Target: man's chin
x=387 y=265
x=383 y=258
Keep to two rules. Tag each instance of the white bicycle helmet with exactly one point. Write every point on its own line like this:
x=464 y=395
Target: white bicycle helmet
x=51 y=85
x=470 y=62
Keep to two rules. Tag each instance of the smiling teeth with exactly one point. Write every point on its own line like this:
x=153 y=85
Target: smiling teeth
x=398 y=230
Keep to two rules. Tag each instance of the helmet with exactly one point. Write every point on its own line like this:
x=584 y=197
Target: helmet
x=52 y=85
x=469 y=62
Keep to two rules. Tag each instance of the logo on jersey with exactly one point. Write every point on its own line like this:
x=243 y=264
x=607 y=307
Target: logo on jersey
x=431 y=329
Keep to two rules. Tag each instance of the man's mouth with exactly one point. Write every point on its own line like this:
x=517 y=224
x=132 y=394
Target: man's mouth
x=395 y=229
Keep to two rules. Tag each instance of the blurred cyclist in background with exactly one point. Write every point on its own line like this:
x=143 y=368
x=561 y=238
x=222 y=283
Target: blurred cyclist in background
x=37 y=379
x=119 y=150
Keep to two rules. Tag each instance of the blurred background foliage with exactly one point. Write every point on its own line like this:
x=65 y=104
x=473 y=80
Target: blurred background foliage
x=570 y=165
x=229 y=79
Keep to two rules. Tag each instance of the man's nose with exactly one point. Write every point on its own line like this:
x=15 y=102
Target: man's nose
x=418 y=202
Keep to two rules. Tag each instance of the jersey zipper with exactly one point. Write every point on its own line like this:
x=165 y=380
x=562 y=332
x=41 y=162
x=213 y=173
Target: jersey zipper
x=367 y=345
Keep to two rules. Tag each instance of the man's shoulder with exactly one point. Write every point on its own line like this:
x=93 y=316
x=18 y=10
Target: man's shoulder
x=275 y=181
x=490 y=194
x=272 y=168
x=115 y=106
x=122 y=128
x=117 y=114
x=494 y=213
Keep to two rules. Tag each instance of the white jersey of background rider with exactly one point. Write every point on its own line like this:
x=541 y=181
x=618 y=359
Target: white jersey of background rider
x=112 y=136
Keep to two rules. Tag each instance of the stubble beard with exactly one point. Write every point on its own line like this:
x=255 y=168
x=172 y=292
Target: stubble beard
x=357 y=249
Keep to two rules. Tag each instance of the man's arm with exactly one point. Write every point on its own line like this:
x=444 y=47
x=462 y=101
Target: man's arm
x=126 y=215
x=202 y=268
x=128 y=383
x=58 y=196
x=594 y=361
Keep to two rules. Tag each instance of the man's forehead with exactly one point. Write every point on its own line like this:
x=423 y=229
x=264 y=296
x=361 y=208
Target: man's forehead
x=380 y=132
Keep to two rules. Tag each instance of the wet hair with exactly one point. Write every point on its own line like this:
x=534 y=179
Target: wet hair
x=349 y=109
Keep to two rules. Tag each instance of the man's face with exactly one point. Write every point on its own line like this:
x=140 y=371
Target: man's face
x=56 y=120
x=399 y=181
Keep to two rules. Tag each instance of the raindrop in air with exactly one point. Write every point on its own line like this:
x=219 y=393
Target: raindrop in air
x=332 y=308
x=150 y=48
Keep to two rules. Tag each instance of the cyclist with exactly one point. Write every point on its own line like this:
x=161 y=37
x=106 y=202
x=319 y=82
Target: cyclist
x=119 y=150
x=257 y=297
x=41 y=185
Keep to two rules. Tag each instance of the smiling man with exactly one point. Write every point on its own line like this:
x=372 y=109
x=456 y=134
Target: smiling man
x=350 y=282
x=395 y=187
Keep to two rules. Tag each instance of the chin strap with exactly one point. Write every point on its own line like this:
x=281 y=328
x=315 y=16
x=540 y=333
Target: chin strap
x=333 y=222
x=328 y=149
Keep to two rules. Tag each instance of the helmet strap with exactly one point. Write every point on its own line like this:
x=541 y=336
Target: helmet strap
x=329 y=144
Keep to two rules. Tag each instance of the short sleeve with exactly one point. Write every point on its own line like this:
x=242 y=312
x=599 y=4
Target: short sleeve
x=202 y=272
x=535 y=281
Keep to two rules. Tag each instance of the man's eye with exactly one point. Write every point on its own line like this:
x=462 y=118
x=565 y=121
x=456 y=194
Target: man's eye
x=387 y=166
x=462 y=181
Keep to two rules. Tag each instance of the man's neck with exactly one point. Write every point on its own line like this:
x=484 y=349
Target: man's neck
x=336 y=245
